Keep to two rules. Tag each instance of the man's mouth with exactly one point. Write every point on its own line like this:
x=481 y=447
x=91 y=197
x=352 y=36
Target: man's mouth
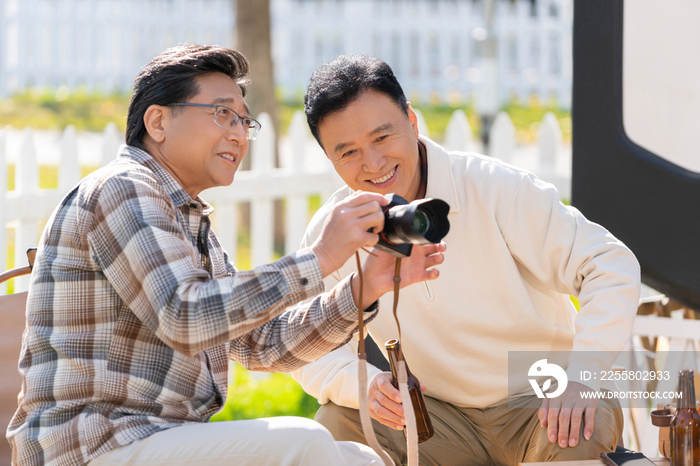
x=384 y=178
x=227 y=156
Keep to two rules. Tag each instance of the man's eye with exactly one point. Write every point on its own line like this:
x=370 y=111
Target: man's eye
x=224 y=111
x=382 y=137
x=246 y=122
x=350 y=152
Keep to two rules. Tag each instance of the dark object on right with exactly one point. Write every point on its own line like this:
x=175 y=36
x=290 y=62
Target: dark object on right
x=423 y=424
x=646 y=201
x=628 y=458
x=685 y=425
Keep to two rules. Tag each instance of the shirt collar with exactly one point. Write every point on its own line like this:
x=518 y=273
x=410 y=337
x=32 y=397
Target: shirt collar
x=176 y=192
x=440 y=179
x=423 y=187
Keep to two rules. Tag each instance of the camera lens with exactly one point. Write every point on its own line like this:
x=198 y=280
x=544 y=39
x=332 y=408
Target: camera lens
x=420 y=223
x=423 y=221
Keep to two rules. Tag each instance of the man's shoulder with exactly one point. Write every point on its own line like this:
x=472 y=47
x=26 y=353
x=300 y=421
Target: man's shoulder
x=121 y=179
x=466 y=162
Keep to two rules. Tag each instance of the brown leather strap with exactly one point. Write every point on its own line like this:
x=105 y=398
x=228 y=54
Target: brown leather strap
x=365 y=419
x=397 y=283
x=360 y=310
x=409 y=414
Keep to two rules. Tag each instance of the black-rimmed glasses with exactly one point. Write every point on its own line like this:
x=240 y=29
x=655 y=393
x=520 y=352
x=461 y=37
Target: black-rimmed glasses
x=227 y=118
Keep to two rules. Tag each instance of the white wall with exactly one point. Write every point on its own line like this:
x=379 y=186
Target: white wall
x=101 y=44
x=661 y=65
x=432 y=44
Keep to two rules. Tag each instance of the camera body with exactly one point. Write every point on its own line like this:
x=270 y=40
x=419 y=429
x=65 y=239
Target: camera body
x=423 y=221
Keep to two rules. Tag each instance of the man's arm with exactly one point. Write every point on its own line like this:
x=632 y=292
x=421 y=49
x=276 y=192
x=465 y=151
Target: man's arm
x=333 y=377
x=311 y=330
x=137 y=242
x=575 y=256
x=569 y=253
x=140 y=247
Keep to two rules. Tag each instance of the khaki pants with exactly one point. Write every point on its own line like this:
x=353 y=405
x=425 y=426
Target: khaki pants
x=499 y=435
x=281 y=441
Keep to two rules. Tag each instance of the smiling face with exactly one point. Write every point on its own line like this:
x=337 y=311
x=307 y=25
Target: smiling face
x=191 y=146
x=373 y=145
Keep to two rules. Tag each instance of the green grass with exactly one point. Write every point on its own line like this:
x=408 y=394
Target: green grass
x=527 y=117
x=58 y=108
x=251 y=397
x=437 y=117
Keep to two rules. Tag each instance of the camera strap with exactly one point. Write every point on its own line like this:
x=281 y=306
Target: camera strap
x=402 y=373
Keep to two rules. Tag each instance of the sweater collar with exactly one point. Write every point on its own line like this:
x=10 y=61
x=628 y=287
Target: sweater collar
x=441 y=183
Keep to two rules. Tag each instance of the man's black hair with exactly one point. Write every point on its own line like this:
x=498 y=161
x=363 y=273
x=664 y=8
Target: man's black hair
x=337 y=84
x=170 y=77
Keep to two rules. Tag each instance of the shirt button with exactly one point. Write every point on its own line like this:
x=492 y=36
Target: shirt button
x=304 y=281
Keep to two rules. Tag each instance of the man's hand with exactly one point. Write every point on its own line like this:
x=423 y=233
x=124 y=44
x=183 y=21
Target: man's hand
x=346 y=229
x=562 y=415
x=378 y=271
x=385 y=402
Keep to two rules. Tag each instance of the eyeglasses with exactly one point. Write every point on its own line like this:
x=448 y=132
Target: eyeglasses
x=227 y=118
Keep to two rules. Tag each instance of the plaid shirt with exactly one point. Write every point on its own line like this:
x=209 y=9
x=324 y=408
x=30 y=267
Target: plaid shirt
x=134 y=311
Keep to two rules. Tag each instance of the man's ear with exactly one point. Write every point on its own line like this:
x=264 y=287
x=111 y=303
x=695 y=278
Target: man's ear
x=156 y=120
x=413 y=119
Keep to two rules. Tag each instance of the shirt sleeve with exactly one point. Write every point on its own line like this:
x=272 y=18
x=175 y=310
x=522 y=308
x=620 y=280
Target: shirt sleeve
x=303 y=333
x=575 y=256
x=334 y=377
x=139 y=245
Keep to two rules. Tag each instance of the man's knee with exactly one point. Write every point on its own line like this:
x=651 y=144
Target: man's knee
x=304 y=440
x=607 y=431
x=343 y=423
x=346 y=426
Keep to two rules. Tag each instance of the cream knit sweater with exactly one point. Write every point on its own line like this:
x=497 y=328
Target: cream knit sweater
x=514 y=254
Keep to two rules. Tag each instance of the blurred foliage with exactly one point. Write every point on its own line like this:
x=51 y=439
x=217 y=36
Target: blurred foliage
x=56 y=109
x=576 y=303
x=91 y=111
x=437 y=117
x=285 y=111
x=527 y=117
x=252 y=395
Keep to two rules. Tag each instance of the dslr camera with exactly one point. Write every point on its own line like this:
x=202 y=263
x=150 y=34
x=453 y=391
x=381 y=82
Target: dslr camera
x=423 y=221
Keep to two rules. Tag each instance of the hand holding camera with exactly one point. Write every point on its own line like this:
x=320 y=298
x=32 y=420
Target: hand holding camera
x=394 y=226
x=349 y=227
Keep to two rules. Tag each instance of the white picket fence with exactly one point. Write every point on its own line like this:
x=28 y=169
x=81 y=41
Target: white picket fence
x=304 y=171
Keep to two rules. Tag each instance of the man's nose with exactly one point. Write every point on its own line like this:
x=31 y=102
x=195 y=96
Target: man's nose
x=238 y=133
x=374 y=160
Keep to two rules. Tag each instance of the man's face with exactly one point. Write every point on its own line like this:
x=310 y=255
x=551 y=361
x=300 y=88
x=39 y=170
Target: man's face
x=197 y=151
x=373 y=145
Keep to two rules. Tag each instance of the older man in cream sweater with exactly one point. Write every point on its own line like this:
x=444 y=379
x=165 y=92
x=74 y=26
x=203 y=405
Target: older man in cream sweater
x=514 y=255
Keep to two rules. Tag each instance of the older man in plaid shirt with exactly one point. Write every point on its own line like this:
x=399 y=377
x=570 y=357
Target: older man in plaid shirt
x=134 y=308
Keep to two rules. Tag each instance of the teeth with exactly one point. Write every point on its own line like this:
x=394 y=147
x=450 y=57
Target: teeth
x=385 y=177
x=228 y=157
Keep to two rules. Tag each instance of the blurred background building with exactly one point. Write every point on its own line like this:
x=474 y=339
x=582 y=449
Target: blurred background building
x=443 y=51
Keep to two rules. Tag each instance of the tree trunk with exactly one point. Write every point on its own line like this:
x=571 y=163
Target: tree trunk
x=253 y=39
